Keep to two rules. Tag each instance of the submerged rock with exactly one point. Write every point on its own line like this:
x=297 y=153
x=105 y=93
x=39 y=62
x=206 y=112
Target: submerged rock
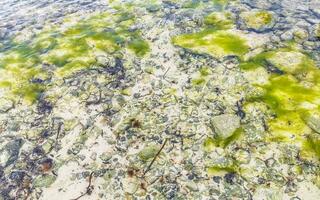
x=313 y=121
x=258 y=20
x=225 y=125
x=10 y=153
x=148 y=152
x=44 y=180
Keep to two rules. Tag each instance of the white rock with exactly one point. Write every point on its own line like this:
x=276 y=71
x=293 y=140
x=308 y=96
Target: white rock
x=130 y=185
x=225 y=125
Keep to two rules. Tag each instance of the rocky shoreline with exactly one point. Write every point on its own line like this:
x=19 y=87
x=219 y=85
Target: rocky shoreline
x=191 y=99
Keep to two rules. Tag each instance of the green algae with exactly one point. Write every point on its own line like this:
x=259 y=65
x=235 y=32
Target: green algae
x=201 y=77
x=216 y=43
x=69 y=48
x=292 y=96
x=139 y=47
x=216 y=170
x=312 y=146
x=257 y=19
x=219 y=20
x=148 y=152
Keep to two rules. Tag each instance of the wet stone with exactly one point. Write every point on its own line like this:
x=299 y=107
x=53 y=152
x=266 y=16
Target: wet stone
x=44 y=181
x=5 y=105
x=12 y=149
x=225 y=125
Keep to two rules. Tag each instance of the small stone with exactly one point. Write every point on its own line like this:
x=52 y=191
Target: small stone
x=230 y=178
x=17 y=176
x=317 y=30
x=153 y=8
x=46 y=164
x=5 y=105
x=130 y=185
x=313 y=122
x=148 y=152
x=105 y=60
x=243 y=156
x=270 y=162
x=225 y=125
x=11 y=152
x=44 y=181
x=105 y=157
x=192 y=186
x=300 y=34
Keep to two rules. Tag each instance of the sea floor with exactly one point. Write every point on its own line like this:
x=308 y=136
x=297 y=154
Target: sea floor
x=151 y=99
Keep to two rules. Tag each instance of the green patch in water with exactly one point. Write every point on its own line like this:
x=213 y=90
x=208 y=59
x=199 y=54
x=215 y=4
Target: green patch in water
x=198 y=81
x=213 y=42
x=257 y=19
x=291 y=96
x=201 y=77
x=312 y=147
x=219 y=171
x=70 y=48
x=219 y=20
x=139 y=47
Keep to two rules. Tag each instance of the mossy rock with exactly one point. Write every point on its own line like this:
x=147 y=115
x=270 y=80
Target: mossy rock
x=44 y=181
x=219 y=20
x=148 y=152
x=257 y=20
x=288 y=61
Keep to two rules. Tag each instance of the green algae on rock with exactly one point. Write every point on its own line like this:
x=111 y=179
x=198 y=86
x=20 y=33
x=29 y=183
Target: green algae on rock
x=44 y=181
x=292 y=95
x=257 y=20
x=148 y=152
x=69 y=49
x=219 y=20
x=139 y=47
x=216 y=43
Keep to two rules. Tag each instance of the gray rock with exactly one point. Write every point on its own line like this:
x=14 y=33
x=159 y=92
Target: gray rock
x=5 y=104
x=10 y=152
x=130 y=185
x=225 y=125
x=314 y=123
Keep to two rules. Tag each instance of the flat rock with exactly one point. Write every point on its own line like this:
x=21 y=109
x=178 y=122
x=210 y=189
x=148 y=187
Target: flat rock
x=225 y=125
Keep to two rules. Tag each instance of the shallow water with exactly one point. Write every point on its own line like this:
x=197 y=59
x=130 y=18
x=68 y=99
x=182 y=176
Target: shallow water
x=175 y=99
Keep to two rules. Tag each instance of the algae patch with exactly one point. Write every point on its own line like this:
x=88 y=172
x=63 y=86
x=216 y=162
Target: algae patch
x=68 y=48
x=216 y=43
x=292 y=95
x=257 y=20
x=219 y=20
